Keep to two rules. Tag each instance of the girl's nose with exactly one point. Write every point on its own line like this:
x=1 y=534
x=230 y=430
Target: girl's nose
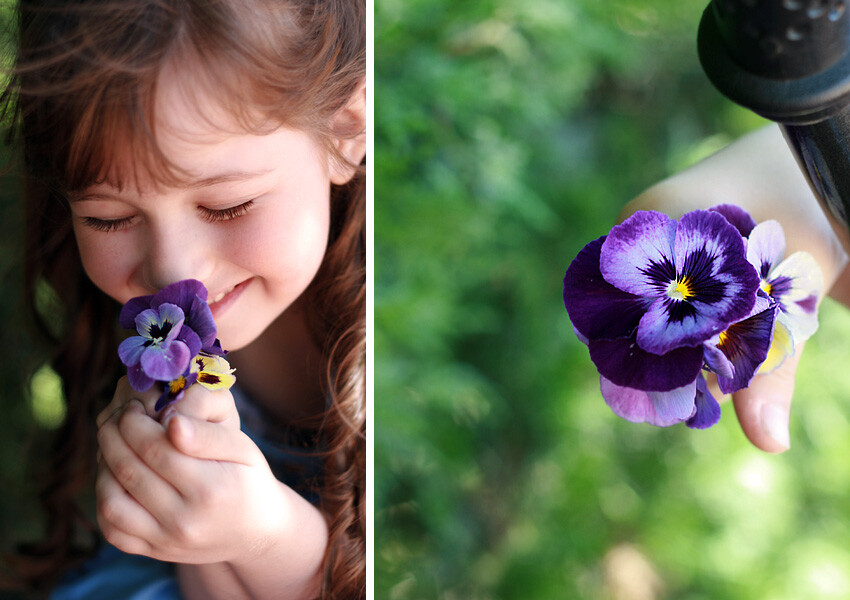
x=173 y=254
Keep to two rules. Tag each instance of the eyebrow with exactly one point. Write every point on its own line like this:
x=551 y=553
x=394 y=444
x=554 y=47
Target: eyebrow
x=227 y=177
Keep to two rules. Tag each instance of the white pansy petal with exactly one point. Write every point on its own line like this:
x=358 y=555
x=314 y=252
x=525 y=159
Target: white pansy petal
x=766 y=246
x=800 y=301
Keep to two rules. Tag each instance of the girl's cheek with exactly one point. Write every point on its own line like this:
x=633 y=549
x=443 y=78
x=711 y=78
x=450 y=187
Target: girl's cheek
x=108 y=264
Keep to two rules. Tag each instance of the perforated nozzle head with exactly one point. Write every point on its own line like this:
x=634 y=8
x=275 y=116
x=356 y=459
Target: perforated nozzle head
x=788 y=60
x=782 y=39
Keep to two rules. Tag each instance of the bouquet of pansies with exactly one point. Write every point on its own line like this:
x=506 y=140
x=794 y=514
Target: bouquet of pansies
x=176 y=345
x=659 y=302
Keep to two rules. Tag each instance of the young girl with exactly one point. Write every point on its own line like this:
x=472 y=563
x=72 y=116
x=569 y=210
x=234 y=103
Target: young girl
x=759 y=173
x=223 y=141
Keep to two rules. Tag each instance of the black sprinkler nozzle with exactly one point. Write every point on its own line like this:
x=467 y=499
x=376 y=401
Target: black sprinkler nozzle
x=789 y=61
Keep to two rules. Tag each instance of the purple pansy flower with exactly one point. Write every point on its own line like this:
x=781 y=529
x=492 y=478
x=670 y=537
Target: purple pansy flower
x=647 y=298
x=191 y=296
x=174 y=325
x=156 y=353
x=692 y=276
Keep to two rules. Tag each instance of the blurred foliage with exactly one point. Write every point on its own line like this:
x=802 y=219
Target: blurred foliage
x=509 y=134
x=29 y=408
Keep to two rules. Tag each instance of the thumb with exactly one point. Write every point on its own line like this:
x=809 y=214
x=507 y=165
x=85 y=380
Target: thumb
x=210 y=441
x=763 y=408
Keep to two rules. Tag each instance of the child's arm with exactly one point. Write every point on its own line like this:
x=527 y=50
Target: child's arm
x=235 y=530
x=759 y=173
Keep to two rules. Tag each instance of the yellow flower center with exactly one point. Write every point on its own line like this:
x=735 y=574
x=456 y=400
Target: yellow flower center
x=722 y=338
x=177 y=385
x=766 y=287
x=680 y=289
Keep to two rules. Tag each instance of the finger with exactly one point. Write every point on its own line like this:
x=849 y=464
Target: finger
x=149 y=489
x=148 y=440
x=211 y=441
x=123 y=394
x=123 y=522
x=763 y=408
x=213 y=406
x=119 y=399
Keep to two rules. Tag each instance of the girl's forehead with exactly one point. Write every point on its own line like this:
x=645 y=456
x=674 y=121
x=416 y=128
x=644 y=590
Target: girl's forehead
x=187 y=108
x=214 y=160
x=195 y=136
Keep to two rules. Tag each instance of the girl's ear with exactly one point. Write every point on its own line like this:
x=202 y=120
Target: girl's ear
x=350 y=122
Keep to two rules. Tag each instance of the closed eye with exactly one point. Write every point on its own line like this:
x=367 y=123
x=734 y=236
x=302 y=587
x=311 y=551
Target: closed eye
x=226 y=214
x=107 y=225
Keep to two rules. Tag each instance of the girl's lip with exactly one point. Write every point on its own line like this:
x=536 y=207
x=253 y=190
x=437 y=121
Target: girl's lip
x=219 y=306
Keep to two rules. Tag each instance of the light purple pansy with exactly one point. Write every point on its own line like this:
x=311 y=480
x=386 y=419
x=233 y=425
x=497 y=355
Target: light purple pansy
x=156 y=353
x=149 y=358
x=191 y=296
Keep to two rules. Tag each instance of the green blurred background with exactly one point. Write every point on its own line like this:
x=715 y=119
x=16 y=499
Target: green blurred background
x=509 y=134
x=30 y=396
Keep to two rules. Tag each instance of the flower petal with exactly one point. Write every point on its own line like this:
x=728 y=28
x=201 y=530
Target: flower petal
x=182 y=293
x=165 y=399
x=798 y=300
x=707 y=409
x=737 y=217
x=632 y=405
x=596 y=308
x=166 y=362
x=130 y=350
x=746 y=345
x=722 y=285
x=201 y=321
x=715 y=360
x=766 y=247
x=172 y=317
x=216 y=381
x=781 y=347
x=137 y=378
x=675 y=405
x=146 y=321
x=133 y=307
x=635 y=249
x=625 y=364
x=214 y=372
x=191 y=339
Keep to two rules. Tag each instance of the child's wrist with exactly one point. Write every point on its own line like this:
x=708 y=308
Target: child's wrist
x=296 y=537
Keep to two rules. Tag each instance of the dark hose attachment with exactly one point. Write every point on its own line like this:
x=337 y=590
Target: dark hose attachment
x=789 y=61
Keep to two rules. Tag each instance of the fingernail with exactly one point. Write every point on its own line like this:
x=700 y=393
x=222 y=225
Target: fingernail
x=774 y=421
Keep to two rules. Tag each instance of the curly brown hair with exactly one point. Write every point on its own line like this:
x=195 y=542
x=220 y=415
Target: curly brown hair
x=86 y=72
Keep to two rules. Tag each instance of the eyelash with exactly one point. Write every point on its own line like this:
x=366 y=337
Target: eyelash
x=106 y=225
x=226 y=214
x=208 y=214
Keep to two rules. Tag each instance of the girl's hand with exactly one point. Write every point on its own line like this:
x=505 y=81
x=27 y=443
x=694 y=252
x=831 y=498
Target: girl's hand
x=760 y=174
x=193 y=489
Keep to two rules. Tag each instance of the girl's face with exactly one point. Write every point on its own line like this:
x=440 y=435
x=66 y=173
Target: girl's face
x=252 y=224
